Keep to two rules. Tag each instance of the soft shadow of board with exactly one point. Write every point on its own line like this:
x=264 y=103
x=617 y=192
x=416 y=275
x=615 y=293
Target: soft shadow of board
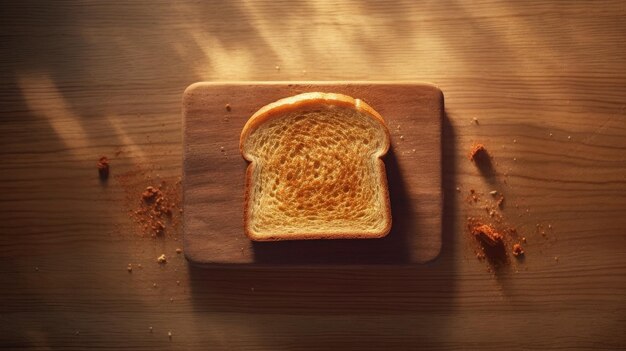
x=214 y=176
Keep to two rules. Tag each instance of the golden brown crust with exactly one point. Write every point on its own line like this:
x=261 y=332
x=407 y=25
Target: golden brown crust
x=279 y=107
x=304 y=101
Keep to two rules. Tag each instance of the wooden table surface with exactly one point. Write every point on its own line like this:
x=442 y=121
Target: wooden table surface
x=546 y=83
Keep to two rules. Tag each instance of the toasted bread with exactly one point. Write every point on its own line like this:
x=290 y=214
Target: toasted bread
x=316 y=170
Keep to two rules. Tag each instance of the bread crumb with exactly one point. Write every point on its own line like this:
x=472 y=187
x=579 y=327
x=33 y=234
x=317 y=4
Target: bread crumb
x=556 y=258
x=515 y=140
x=77 y=332
x=252 y=289
x=129 y=268
x=171 y=299
x=169 y=334
x=500 y=202
x=478 y=150
x=487 y=234
x=228 y=108
x=569 y=137
x=178 y=282
x=139 y=265
x=36 y=269
x=493 y=192
x=401 y=137
x=475 y=120
x=458 y=189
x=150 y=329
x=550 y=134
x=277 y=68
x=103 y=168
x=518 y=250
x=222 y=149
x=154 y=285
x=149 y=194
x=524 y=239
x=178 y=251
x=162 y=259
x=158 y=227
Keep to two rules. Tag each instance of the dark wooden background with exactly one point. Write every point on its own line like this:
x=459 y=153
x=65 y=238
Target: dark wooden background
x=545 y=80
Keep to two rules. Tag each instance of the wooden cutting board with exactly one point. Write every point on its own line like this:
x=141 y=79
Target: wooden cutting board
x=213 y=175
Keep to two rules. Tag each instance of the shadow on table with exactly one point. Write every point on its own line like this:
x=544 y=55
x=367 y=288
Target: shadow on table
x=341 y=290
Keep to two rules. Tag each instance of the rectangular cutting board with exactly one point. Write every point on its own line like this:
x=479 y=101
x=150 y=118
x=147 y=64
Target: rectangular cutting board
x=213 y=175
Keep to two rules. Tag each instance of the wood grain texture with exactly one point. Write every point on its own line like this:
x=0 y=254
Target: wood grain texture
x=545 y=80
x=214 y=175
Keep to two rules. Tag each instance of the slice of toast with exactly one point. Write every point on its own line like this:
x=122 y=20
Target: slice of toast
x=315 y=170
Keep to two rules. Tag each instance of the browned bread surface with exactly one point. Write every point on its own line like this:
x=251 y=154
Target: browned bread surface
x=315 y=170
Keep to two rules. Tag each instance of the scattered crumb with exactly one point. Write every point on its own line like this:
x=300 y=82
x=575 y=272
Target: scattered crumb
x=169 y=334
x=103 y=168
x=139 y=265
x=150 y=329
x=473 y=196
x=518 y=250
x=458 y=189
x=158 y=227
x=303 y=71
x=77 y=332
x=129 y=268
x=277 y=68
x=550 y=134
x=493 y=192
x=149 y=194
x=556 y=258
x=401 y=137
x=36 y=269
x=500 y=202
x=156 y=208
x=178 y=251
x=154 y=285
x=480 y=255
x=486 y=234
x=478 y=150
x=515 y=140
x=549 y=226
x=475 y=120
x=228 y=108
x=524 y=239
x=178 y=282
x=171 y=299
x=569 y=137
x=252 y=289
x=514 y=158
x=162 y=259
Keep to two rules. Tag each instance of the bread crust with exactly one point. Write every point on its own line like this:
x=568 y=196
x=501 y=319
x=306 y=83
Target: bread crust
x=310 y=100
